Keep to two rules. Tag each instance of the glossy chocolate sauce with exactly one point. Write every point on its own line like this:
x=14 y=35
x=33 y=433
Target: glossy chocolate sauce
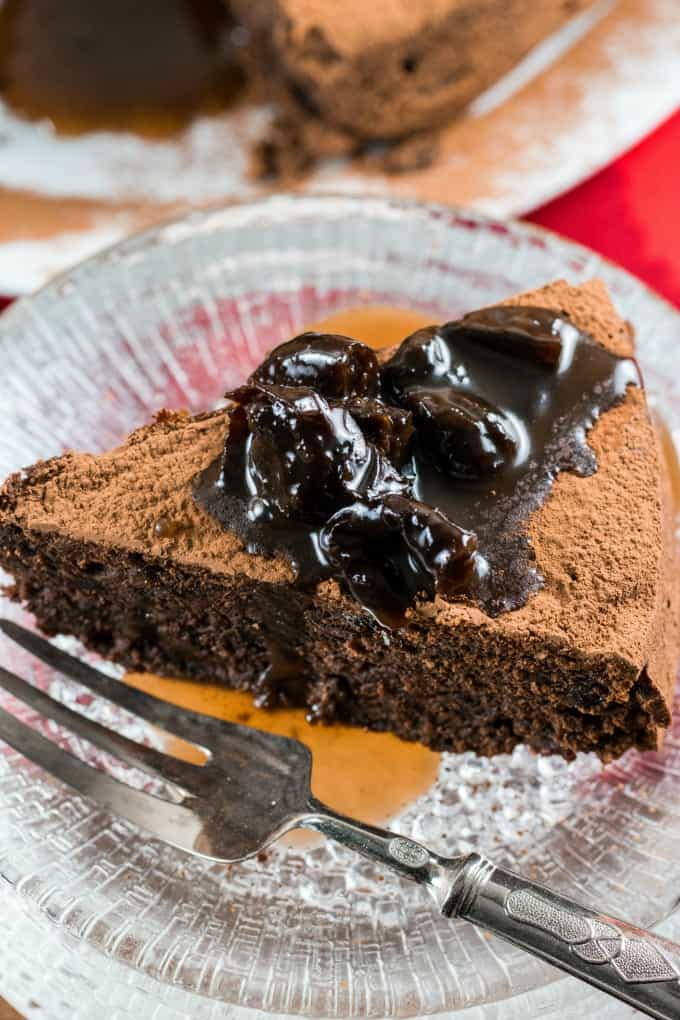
x=551 y=382
x=117 y=64
x=415 y=476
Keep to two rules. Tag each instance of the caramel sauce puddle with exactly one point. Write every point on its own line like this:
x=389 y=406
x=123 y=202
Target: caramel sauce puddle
x=371 y=776
x=669 y=453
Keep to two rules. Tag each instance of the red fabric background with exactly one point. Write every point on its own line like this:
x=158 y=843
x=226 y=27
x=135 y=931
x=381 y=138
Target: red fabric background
x=629 y=212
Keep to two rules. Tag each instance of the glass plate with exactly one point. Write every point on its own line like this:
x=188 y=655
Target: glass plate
x=172 y=318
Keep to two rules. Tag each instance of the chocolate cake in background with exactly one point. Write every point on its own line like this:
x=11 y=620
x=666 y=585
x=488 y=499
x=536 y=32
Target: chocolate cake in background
x=116 y=550
x=343 y=75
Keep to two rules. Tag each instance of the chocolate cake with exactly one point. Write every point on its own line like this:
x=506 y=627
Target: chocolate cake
x=356 y=72
x=554 y=625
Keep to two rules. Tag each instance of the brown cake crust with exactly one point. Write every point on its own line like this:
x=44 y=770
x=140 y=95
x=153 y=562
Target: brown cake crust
x=587 y=664
x=385 y=69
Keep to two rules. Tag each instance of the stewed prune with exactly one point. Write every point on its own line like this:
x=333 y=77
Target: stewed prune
x=446 y=551
x=459 y=432
x=436 y=355
x=302 y=457
x=335 y=366
x=424 y=356
x=523 y=331
x=393 y=550
x=390 y=428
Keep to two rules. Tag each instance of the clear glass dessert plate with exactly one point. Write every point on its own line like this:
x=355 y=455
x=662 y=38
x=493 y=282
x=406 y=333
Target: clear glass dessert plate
x=97 y=919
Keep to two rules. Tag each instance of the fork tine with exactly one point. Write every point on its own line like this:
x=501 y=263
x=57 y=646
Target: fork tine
x=148 y=758
x=182 y=722
x=174 y=823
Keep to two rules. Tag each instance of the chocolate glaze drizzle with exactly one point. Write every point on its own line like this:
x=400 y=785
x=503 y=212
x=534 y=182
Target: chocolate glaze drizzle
x=415 y=477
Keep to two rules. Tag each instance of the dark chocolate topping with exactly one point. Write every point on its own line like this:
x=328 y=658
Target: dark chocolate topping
x=335 y=366
x=419 y=477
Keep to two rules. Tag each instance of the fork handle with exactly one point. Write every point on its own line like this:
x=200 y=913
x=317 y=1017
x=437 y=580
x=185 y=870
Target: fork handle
x=629 y=963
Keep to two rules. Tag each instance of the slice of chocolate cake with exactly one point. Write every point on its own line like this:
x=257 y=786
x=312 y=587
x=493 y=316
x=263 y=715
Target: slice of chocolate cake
x=538 y=604
x=383 y=70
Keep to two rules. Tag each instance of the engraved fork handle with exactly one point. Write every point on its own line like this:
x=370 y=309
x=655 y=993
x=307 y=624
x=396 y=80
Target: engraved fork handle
x=627 y=962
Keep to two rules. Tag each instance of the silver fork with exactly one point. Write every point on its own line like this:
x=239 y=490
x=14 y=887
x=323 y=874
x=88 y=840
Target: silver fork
x=255 y=786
